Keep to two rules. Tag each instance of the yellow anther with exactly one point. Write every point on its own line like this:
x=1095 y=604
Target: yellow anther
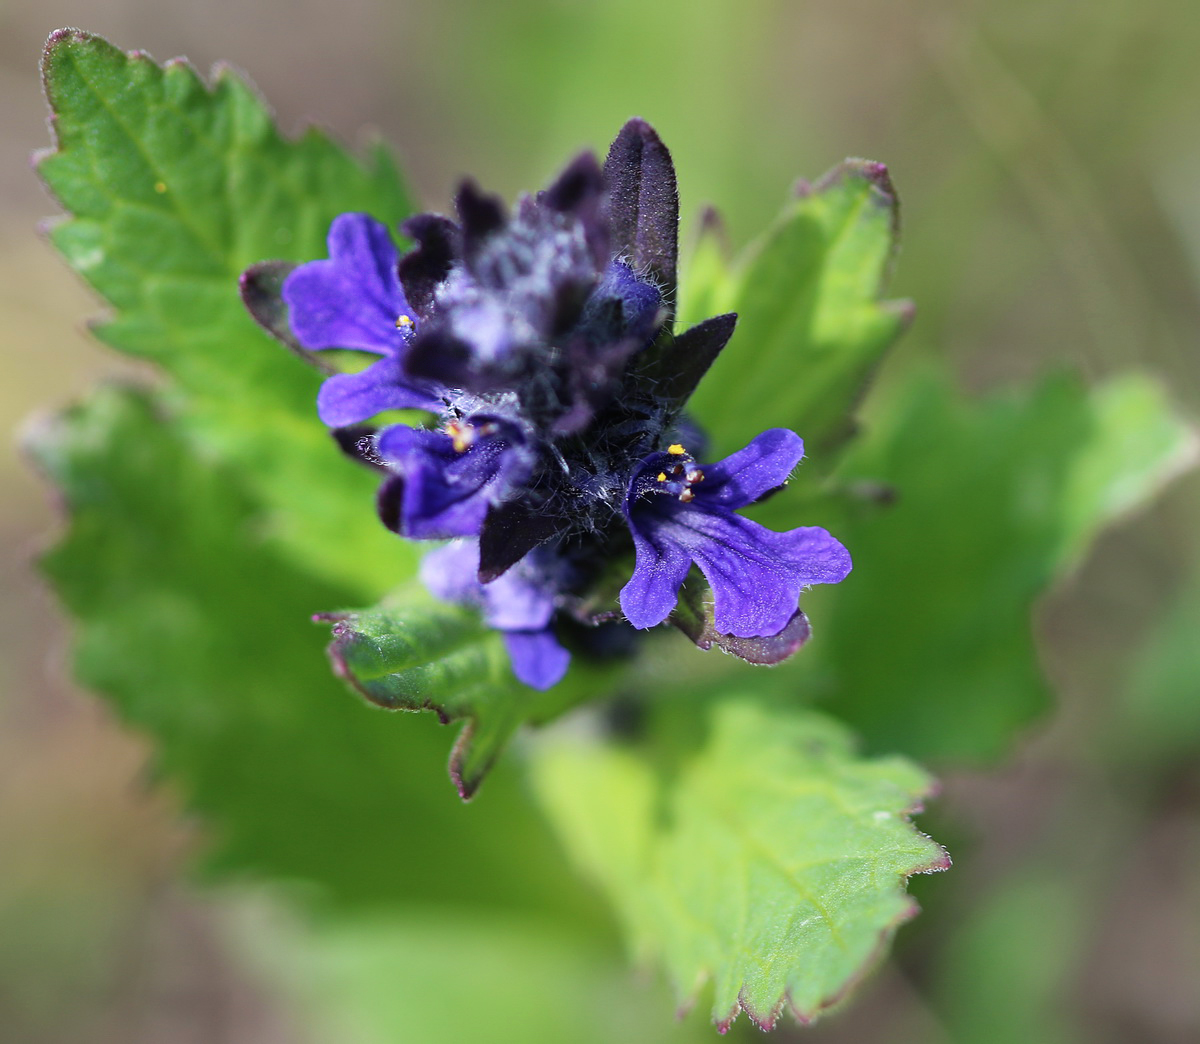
x=403 y=322
x=662 y=476
x=676 y=450
x=461 y=435
x=687 y=496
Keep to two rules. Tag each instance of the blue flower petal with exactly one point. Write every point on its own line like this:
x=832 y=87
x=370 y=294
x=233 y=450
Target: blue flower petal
x=537 y=658
x=354 y=299
x=348 y=398
x=756 y=574
x=447 y=488
x=661 y=566
x=753 y=471
x=521 y=603
x=523 y=599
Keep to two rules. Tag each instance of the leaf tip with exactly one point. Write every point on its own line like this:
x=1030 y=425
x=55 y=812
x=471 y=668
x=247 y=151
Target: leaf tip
x=940 y=863
x=62 y=37
x=466 y=783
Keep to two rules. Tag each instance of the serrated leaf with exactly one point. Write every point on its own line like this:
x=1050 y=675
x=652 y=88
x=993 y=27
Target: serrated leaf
x=205 y=535
x=173 y=189
x=414 y=653
x=807 y=297
x=928 y=646
x=771 y=861
x=198 y=630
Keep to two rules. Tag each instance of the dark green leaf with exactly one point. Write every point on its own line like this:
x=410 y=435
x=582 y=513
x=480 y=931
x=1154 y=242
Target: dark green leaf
x=414 y=653
x=199 y=632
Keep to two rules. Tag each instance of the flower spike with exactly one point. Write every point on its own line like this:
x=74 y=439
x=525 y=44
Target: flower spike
x=558 y=455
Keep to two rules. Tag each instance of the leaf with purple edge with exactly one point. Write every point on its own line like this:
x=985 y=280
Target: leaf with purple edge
x=261 y=286
x=415 y=653
x=643 y=204
x=771 y=861
x=693 y=616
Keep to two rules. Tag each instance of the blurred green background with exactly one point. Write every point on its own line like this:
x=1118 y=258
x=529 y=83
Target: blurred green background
x=1045 y=154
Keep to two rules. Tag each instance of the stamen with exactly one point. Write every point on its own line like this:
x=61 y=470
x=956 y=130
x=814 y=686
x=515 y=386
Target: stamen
x=694 y=475
x=404 y=322
x=662 y=476
x=676 y=450
x=461 y=435
x=687 y=496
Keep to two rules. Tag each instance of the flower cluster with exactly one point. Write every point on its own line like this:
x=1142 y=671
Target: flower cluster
x=543 y=342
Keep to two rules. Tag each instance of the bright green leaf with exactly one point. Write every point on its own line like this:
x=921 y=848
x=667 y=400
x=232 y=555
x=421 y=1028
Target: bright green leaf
x=173 y=188
x=811 y=327
x=772 y=860
x=704 y=287
x=1138 y=445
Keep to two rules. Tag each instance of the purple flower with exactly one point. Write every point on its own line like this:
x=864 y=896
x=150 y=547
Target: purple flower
x=521 y=603
x=444 y=482
x=542 y=339
x=680 y=512
x=354 y=300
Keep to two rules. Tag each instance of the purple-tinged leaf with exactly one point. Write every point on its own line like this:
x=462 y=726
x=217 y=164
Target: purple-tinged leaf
x=439 y=242
x=643 y=204
x=413 y=653
x=693 y=616
x=680 y=363
x=510 y=531
x=261 y=287
x=481 y=214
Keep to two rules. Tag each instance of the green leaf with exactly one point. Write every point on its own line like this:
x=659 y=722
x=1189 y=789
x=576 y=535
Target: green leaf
x=173 y=188
x=772 y=860
x=198 y=630
x=807 y=298
x=927 y=647
x=704 y=287
x=414 y=653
